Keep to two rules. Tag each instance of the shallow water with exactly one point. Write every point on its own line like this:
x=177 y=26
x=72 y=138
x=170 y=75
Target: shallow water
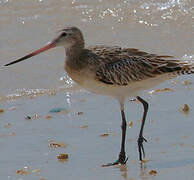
x=40 y=84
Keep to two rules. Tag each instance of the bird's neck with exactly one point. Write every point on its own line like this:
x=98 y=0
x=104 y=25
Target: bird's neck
x=73 y=54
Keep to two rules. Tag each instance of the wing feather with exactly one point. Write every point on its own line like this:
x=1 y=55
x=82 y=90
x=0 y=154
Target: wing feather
x=128 y=69
x=122 y=66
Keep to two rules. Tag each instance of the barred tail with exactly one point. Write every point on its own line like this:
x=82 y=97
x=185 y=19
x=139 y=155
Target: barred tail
x=186 y=69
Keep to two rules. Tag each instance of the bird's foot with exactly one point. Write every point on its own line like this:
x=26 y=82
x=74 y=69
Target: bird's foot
x=122 y=160
x=140 y=141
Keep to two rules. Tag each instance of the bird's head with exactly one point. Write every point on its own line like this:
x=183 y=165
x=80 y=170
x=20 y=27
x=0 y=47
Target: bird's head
x=68 y=38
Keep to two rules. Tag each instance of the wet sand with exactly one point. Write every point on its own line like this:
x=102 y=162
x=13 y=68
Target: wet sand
x=33 y=88
x=25 y=142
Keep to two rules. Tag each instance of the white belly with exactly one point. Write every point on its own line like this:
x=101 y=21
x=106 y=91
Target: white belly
x=117 y=91
x=87 y=81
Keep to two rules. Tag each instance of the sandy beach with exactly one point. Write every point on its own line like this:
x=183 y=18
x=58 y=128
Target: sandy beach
x=87 y=128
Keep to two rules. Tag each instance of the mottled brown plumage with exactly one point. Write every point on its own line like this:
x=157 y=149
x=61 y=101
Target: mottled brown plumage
x=123 y=66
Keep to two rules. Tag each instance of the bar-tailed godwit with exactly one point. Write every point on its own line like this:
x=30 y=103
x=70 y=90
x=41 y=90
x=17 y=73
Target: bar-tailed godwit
x=114 y=71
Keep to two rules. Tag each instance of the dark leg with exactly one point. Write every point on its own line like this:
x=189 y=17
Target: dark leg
x=141 y=139
x=122 y=158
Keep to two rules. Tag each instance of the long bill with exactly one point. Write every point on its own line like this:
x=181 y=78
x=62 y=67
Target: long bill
x=47 y=47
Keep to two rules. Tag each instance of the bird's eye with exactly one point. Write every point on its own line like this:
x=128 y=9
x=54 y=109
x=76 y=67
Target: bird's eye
x=64 y=34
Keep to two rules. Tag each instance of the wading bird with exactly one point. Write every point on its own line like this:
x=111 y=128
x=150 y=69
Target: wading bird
x=114 y=71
